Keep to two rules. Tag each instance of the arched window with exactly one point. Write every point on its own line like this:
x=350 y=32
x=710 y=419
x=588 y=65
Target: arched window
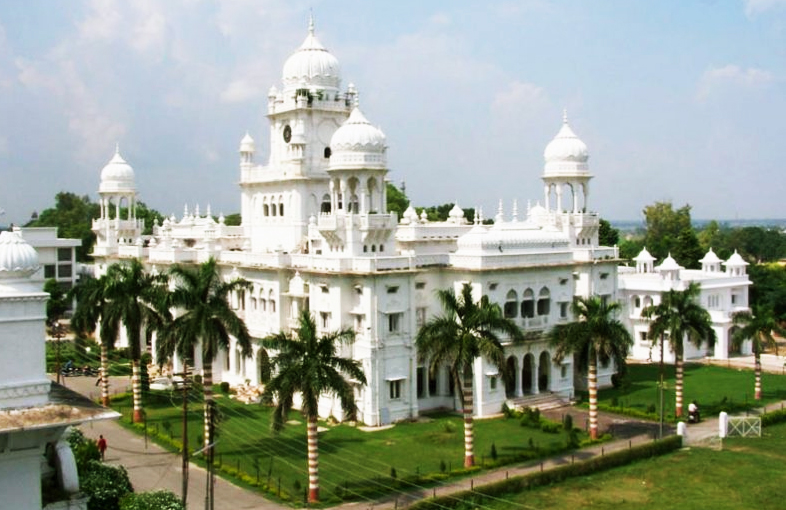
x=263 y=305
x=528 y=304
x=511 y=304
x=544 y=301
x=271 y=302
x=636 y=301
x=327 y=152
x=265 y=209
x=325 y=206
x=281 y=206
x=646 y=303
x=273 y=207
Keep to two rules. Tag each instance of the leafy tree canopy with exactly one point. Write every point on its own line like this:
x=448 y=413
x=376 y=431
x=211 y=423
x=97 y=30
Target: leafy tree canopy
x=608 y=235
x=397 y=200
x=670 y=231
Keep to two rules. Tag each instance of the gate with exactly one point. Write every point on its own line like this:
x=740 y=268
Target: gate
x=744 y=426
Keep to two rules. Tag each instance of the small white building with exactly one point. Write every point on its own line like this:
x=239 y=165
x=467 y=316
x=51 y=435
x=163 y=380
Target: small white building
x=56 y=255
x=316 y=235
x=723 y=292
x=34 y=413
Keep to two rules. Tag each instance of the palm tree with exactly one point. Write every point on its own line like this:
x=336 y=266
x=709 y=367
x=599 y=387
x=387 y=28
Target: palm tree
x=466 y=331
x=138 y=300
x=91 y=307
x=205 y=318
x=308 y=364
x=594 y=335
x=680 y=315
x=760 y=328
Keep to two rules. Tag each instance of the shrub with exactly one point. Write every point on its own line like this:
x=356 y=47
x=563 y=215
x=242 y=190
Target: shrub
x=105 y=485
x=493 y=451
x=567 y=422
x=550 y=427
x=84 y=449
x=393 y=473
x=154 y=500
x=198 y=380
x=224 y=387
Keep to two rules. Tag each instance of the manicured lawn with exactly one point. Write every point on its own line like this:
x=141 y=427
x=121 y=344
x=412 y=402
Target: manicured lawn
x=747 y=473
x=350 y=458
x=714 y=388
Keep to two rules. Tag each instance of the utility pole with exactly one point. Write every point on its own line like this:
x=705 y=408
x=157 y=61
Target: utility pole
x=184 y=475
x=661 y=386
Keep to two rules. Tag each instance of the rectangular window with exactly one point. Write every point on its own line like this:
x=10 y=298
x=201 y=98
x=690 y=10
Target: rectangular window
x=643 y=338
x=324 y=320
x=432 y=383
x=734 y=299
x=64 y=254
x=394 y=322
x=563 y=310
x=421 y=382
x=64 y=271
x=493 y=382
x=420 y=316
x=420 y=285
x=325 y=289
x=359 y=323
x=49 y=271
x=395 y=390
x=392 y=289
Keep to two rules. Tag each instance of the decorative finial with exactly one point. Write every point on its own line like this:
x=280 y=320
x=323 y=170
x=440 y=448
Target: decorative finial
x=564 y=115
x=208 y=214
x=185 y=211
x=117 y=148
x=311 y=21
x=515 y=209
x=196 y=212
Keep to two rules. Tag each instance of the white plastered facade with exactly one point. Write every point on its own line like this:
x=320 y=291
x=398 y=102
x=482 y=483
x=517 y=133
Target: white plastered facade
x=316 y=235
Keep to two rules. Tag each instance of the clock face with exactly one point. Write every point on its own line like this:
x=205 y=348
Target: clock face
x=287 y=133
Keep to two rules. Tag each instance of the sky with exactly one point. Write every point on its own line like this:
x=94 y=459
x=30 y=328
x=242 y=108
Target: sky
x=677 y=101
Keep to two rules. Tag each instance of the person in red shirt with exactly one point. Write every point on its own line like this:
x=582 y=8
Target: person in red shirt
x=101 y=446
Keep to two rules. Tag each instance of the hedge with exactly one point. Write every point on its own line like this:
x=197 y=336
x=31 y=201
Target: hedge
x=553 y=475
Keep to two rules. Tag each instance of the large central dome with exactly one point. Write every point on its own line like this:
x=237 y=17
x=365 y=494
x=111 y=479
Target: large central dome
x=311 y=66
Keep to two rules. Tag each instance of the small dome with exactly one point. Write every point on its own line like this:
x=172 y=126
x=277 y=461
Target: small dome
x=247 y=143
x=644 y=256
x=117 y=176
x=669 y=264
x=358 y=144
x=17 y=258
x=456 y=215
x=311 y=66
x=735 y=260
x=566 y=146
x=710 y=258
x=536 y=212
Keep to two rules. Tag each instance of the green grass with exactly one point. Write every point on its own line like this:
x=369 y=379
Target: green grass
x=357 y=461
x=747 y=473
x=714 y=388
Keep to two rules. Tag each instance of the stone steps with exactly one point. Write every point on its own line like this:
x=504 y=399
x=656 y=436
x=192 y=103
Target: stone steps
x=541 y=401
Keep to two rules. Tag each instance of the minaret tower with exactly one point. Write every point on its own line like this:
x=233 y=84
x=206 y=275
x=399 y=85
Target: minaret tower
x=566 y=186
x=278 y=199
x=118 y=223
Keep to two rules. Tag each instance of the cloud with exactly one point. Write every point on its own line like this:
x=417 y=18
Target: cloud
x=721 y=78
x=241 y=90
x=518 y=96
x=754 y=7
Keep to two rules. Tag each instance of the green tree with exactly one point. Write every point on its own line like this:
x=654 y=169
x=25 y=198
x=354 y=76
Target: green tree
x=595 y=335
x=760 y=328
x=153 y=500
x=680 y=315
x=92 y=311
x=57 y=304
x=397 y=201
x=308 y=363
x=466 y=331
x=206 y=318
x=231 y=220
x=670 y=231
x=106 y=485
x=139 y=301
x=608 y=235
x=769 y=288
x=73 y=216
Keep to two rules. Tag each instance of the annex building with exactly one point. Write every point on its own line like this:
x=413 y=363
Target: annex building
x=316 y=235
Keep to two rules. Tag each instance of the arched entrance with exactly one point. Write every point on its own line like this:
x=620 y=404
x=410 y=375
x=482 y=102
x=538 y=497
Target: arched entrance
x=510 y=384
x=732 y=349
x=543 y=371
x=263 y=367
x=526 y=373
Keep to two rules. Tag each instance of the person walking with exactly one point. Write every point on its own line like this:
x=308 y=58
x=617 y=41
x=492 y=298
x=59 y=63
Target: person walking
x=101 y=446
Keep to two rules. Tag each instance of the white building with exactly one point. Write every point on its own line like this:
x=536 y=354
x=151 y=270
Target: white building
x=34 y=413
x=316 y=235
x=723 y=292
x=56 y=255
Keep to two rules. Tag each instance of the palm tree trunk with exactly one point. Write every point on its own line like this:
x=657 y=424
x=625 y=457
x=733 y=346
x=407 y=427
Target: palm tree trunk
x=136 y=389
x=592 y=386
x=207 y=381
x=104 y=375
x=467 y=407
x=678 y=384
x=757 y=386
x=313 y=460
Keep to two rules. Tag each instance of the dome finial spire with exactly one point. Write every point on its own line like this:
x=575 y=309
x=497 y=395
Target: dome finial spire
x=311 y=21
x=564 y=115
x=117 y=148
